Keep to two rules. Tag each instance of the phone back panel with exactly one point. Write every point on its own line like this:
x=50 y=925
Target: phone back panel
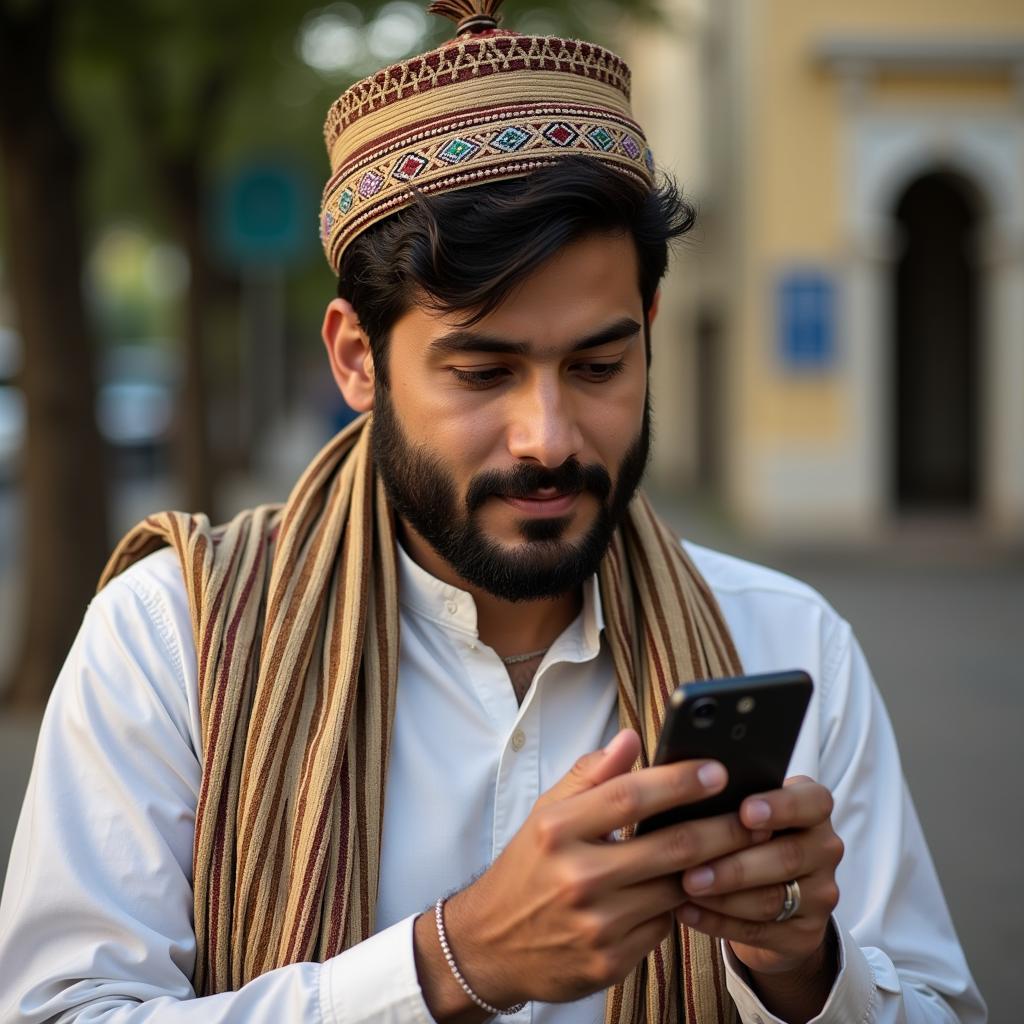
x=749 y=723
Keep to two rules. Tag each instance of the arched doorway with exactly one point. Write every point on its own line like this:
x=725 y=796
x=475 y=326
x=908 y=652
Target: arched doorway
x=937 y=346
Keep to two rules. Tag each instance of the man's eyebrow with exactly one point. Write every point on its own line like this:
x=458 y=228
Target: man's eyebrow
x=475 y=341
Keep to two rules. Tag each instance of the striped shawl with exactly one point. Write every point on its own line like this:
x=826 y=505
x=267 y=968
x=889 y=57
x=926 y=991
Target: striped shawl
x=295 y=616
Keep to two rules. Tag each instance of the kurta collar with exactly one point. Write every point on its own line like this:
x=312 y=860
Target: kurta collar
x=455 y=609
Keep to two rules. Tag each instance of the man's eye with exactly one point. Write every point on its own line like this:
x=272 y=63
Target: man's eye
x=601 y=371
x=479 y=378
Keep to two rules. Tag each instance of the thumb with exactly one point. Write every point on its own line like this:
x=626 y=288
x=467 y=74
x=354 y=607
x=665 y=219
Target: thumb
x=596 y=767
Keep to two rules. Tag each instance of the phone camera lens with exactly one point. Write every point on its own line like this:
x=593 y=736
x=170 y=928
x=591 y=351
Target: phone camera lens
x=704 y=712
x=745 y=705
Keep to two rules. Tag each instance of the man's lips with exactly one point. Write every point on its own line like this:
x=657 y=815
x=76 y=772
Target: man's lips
x=545 y=502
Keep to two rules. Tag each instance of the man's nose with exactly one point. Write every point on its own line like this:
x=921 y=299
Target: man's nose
x=543 y=425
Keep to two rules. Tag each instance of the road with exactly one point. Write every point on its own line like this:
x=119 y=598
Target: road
x=941 y=620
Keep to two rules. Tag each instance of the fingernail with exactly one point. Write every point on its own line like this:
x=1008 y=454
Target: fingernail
x=757 y=812
x=690 y=914
x=711 y=775
x=699 y=880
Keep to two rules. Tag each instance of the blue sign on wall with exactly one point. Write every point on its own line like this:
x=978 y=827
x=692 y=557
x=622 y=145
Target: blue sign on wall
x=806 y=310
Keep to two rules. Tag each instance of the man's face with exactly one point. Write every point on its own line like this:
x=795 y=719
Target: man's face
x=513 y=447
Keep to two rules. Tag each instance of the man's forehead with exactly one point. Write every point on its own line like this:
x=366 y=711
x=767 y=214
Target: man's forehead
x=585 y=295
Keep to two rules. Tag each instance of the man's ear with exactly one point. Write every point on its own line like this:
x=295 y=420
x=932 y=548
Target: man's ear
x=348 y=351
x=652 y=312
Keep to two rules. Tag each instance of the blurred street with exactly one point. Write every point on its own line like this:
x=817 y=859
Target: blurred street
x=939 y=616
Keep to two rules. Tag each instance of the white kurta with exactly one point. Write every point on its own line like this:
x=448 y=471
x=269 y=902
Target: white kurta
x=96 y=918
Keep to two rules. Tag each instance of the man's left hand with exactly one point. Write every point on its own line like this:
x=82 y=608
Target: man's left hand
x=738 y=897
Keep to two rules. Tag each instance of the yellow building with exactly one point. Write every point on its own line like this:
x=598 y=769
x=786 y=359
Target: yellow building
x=849 y=326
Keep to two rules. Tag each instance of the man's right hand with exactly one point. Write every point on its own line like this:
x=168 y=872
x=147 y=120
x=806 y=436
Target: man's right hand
x=563 y=912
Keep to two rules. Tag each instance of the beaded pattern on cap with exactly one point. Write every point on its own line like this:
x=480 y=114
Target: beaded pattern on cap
x=500 y=143
x=475 y=58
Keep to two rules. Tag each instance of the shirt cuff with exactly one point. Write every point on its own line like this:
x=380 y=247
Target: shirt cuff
x=375 y=982
x=852 y=995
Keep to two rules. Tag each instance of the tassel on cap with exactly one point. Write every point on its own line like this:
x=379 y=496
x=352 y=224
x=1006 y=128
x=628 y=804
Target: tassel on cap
x=470 y=15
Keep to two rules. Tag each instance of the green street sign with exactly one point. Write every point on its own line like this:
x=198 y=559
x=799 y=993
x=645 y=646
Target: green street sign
x=265 y=214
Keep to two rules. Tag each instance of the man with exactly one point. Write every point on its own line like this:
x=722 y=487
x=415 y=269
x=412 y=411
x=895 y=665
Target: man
x=371 y=756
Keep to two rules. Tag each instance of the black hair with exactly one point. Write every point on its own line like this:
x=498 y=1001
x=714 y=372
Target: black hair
x=465 y=251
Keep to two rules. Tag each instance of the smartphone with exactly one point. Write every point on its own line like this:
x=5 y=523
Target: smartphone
x=749 y=723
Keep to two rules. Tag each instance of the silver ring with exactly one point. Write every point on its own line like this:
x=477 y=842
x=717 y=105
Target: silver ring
x=790 y=903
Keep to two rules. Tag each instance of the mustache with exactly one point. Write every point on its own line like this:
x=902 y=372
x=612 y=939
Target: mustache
x=572 y=477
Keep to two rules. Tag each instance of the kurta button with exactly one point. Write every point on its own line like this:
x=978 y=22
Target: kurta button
x=452 y=607
x=518 y=740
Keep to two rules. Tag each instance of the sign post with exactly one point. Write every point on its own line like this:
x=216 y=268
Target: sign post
x=265 y=221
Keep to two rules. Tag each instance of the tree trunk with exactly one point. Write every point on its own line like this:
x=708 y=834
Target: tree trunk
x=64 y=474
x=182 y=188
x=177 y=172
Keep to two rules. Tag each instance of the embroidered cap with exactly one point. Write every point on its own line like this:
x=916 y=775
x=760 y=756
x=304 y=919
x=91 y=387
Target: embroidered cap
x=488 y=105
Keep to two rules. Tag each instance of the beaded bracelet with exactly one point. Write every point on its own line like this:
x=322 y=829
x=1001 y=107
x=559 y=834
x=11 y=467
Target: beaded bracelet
x=446 y=949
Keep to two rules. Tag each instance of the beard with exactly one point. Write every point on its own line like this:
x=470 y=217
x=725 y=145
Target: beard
x=545 y=565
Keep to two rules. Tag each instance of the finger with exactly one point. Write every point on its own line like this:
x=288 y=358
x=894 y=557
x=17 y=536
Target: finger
x=792 y=780
x=781 y=859
x=801 y=803
x=765 y=935
x=819 y=895
x=599 y=766
x=762 y=904
x=677 y=847
x=629 y=798
x=626 y=909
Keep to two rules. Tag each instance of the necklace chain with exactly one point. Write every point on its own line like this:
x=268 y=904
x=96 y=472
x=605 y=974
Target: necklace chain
x=515 y=659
